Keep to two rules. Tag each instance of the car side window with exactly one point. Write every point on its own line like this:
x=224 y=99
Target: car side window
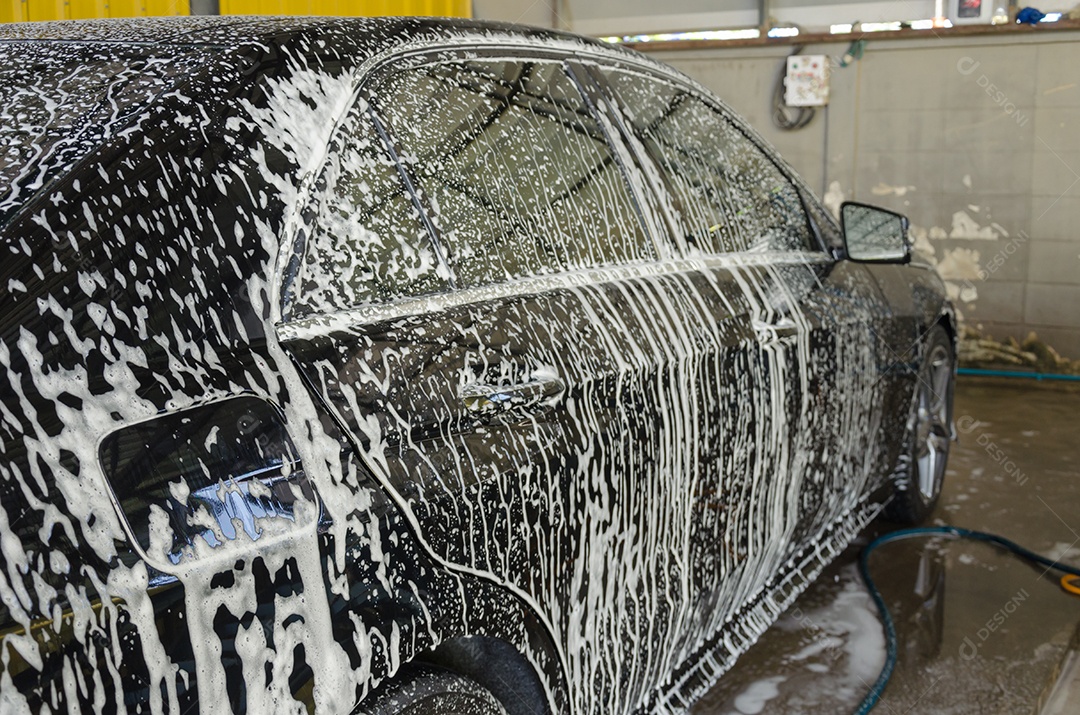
x=368 y=242
x=728 y=194
x=518 y=172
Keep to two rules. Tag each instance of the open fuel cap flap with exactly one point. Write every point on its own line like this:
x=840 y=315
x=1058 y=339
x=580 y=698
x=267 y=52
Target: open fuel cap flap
x=207 y=480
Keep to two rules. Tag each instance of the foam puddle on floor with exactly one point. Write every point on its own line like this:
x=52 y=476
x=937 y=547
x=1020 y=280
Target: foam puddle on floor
x=842 y=636
x=754 y=699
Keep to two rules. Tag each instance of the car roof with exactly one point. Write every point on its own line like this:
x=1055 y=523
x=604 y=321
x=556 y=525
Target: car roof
x=145 y=30
x=234 y=37
x=217 y=30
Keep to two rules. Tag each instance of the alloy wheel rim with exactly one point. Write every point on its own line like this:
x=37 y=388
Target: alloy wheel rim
x=932 y=426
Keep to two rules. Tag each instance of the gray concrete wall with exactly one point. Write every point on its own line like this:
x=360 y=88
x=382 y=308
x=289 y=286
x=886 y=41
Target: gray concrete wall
x=976 y=139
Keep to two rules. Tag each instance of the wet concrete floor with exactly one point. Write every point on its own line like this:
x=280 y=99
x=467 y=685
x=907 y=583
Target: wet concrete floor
x=979 y=630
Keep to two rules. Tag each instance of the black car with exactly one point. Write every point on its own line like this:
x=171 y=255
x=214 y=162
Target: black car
x=424 y=366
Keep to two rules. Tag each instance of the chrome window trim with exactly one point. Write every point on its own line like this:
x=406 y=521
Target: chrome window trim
x=314 y=326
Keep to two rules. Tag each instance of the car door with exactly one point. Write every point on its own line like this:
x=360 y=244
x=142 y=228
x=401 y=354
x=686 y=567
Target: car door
x=872 y=368
x=488 y=317
x=740 y=215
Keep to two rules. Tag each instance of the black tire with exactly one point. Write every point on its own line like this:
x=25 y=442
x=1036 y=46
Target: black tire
x=919 y=475
x=426 y=690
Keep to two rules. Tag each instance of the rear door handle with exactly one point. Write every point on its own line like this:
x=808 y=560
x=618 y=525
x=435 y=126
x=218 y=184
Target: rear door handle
x=508 y=403
x=782 y=327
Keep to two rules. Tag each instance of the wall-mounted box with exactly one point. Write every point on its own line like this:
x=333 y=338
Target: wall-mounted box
x=807 y=81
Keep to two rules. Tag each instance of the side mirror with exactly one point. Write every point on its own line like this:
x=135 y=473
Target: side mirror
x=874 y=235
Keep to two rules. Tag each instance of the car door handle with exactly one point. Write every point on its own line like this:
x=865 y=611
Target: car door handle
x=782 y=327
x=489 y=402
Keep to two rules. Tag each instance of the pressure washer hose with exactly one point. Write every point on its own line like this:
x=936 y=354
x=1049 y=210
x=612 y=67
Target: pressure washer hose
x=871 y=699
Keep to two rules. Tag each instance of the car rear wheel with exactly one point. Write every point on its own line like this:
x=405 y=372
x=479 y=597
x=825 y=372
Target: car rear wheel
x=918 y=482
x=425 y=690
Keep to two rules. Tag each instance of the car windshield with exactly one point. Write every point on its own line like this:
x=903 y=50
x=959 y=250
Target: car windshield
x=60 y=101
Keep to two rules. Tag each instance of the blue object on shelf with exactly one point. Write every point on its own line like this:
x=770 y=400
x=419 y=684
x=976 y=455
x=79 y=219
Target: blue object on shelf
x=1029 y=16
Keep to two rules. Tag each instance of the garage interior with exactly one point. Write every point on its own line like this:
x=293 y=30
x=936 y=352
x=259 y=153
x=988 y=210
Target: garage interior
x=967 y=121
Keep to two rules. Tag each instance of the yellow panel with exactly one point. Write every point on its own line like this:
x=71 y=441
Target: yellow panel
x=253 y=7
x=287 y=7
x=123 y=8
x=84 y=9
x=12 y=11
x=442 y=8
x=167 y=8
x=22 y=10
x=389 y=7
x=350 y=8
x=46 y=10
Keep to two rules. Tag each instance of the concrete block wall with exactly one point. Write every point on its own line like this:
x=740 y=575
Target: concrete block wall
x=976 y=139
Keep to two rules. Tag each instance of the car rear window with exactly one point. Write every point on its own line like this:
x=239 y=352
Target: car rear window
x=59 y=101
x=729 y=195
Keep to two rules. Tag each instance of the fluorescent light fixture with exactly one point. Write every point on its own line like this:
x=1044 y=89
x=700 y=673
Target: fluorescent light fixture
x=747 y=34
x=922 y=24
x=784 y=32
x=1051 y=17
x=842 y=29
x=880 y=26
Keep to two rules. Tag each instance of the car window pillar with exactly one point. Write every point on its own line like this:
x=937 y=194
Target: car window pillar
x=656 y=221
